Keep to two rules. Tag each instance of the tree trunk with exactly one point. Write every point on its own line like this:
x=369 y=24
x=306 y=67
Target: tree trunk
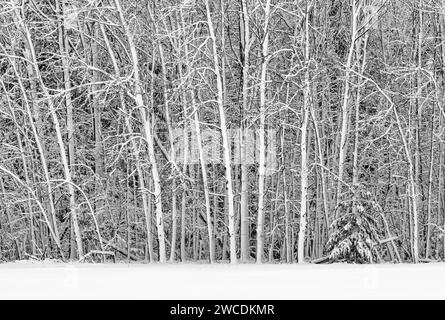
x=225 y=138
x=304 y=145
x=262 y=135
x=148 y=135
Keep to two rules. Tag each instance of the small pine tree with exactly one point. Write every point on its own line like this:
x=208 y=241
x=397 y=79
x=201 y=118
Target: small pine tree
x=355 y=234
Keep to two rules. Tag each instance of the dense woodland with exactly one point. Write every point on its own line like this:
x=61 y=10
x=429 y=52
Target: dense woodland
x=222 y=130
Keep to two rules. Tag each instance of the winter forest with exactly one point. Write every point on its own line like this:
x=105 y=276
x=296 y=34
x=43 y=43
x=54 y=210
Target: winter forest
x=241 y=131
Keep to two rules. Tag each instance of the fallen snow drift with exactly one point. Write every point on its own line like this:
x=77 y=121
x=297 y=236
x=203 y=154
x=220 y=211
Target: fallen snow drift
x=220 y=281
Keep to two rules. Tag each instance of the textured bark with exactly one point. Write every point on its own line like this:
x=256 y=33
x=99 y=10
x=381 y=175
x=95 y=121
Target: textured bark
x=304 y=144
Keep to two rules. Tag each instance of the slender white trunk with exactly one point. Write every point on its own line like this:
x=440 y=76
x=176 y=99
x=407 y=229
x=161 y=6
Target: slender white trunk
x=63 y=45
x=345 y=106
x=322 y=173
x=204 y=180
x=148 y=134
x=244 y=210
x=225 y=138
x=145 y=201
x=303 y=145
x=262 y=136
x=355 y=171
x=430 y=184
x=170 y=131
x=204 y=173
x=413 y=188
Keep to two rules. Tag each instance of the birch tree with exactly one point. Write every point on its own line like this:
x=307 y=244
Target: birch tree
x=148 y=134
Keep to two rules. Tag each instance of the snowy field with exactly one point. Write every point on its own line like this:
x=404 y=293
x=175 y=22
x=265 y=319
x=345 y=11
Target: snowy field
x=27 y=280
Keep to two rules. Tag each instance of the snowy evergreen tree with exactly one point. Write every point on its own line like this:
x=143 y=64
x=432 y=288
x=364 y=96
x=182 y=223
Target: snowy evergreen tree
x=355 y=233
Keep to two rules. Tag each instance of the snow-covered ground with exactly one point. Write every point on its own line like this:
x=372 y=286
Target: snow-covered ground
x=26 y=280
